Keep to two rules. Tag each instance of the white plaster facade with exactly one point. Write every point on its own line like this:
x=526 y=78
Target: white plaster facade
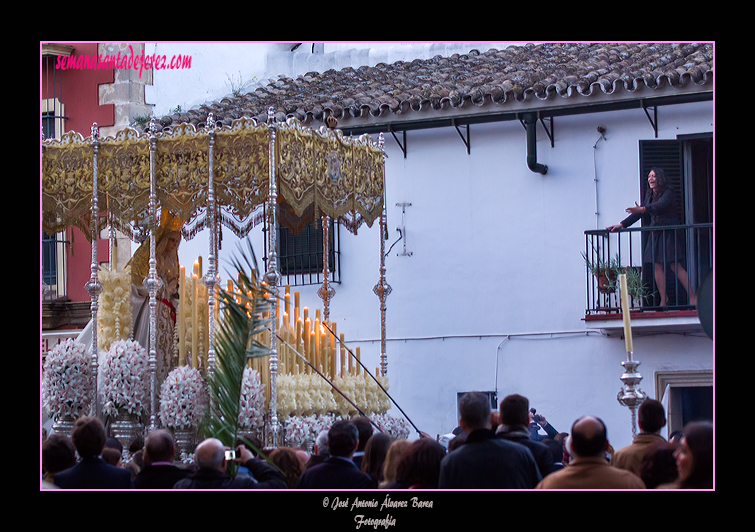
x=492 y=297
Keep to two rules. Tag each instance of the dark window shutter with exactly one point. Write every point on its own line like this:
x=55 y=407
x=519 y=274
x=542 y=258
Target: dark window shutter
x=666 y=154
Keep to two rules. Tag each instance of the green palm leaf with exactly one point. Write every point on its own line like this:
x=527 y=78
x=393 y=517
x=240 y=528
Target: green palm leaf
x=241 y=318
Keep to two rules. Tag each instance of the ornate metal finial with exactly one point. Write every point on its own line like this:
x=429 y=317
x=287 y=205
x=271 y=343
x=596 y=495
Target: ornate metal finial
x=270 y=114
x=95 y=131
x=153 y=127
x=631 y=395
x=210 y=121
x=331 y=122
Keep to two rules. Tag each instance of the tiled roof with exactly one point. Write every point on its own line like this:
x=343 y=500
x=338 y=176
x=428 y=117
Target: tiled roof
x=495 y=77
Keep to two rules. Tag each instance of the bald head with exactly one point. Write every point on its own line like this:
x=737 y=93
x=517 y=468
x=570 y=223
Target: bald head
x=210 y=454
x=589 y=437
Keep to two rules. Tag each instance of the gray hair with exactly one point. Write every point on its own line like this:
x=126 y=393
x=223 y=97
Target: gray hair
x=322 y=442
x=474 y=409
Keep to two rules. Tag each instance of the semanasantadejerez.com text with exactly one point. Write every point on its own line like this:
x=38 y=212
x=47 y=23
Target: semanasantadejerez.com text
x=138 y=62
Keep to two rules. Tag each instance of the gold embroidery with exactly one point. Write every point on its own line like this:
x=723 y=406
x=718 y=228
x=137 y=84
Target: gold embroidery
x=340 y=177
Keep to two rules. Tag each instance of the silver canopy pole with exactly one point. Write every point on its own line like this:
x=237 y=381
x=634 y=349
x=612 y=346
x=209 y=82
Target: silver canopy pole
x=94 y=287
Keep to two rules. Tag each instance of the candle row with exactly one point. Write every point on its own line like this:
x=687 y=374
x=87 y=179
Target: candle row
x=313 y=339
x=192 y=318
x=307 y=342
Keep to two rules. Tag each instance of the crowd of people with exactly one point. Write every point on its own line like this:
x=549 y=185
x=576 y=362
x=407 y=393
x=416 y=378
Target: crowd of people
x=490 y=450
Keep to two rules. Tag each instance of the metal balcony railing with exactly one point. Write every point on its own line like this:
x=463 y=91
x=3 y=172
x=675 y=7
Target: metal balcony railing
x=54 y=267
x=678 y=257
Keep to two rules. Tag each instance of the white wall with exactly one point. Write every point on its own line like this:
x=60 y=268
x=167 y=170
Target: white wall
x=212 y=64
x=495 y=288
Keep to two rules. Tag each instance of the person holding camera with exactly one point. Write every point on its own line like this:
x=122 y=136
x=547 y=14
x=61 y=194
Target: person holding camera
x=514 y=420
x=212 y=459
x=538 y=422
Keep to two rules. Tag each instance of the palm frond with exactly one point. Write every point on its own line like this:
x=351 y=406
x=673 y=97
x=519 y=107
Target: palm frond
x=241 y=318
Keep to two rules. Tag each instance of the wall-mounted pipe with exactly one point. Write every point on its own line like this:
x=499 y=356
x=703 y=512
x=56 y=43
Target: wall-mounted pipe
x=530 y=122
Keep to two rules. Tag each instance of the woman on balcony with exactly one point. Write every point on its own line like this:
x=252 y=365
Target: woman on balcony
x=663 y=247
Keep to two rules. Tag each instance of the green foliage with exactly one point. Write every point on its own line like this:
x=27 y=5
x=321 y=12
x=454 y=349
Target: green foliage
x=241 y=318
x=611 y=269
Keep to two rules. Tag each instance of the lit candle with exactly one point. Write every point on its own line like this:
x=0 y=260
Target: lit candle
x=299 y=326
x=194 y=320
x=217 y=302
x=288 y=300
x=182 y=317
x=333 y=350
x=343 y=357
x=296 y=305
x=625 y=312
x=318 y=346
x=305 y=335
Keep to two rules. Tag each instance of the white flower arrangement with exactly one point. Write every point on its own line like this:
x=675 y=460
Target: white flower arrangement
x=322 y=396
x=383 y=401
x=184 y=398
x=66 y=385
x=300 y=431
x=286 y=403
x=347 y=384
x=124 y=372
x=304 y=400
x=252 y=400
x=393 y=426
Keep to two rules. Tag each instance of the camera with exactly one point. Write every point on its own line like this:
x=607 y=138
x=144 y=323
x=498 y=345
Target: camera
x=536 y=417
x=230 y=455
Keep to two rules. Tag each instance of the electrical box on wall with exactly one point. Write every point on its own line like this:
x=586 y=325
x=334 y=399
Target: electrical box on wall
x=492 y=396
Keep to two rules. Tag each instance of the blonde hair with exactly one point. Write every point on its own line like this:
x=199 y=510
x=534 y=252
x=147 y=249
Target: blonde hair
x=392 y=458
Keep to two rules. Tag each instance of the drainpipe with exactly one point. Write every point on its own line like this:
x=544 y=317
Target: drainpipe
x=530 y=121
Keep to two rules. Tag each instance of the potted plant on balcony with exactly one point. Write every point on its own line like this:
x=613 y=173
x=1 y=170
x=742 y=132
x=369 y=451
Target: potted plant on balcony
x=605 y=271
x=636 y=289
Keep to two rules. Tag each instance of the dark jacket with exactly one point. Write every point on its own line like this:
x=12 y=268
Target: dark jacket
x=658 y=211
x=336 y=473
x=540 y=451
x=267 y=477
x=155 y=477
x=94 y=473
x=488 y=462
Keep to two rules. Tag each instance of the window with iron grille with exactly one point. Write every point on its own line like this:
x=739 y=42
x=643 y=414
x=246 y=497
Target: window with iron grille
x=300 y=255
x=54 y=266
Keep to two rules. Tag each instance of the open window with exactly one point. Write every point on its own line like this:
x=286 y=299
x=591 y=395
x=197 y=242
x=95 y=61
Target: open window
x=688 y=164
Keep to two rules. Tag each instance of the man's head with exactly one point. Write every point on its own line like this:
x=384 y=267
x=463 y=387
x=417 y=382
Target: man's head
x=474 y=411
x=364 y=427
x=589 y=437
x=159 y=446
x=58 y=453
x=321 y=443
x=210 y=454
x=651 y=416
x=343 y=438
x=515 y=411
x=88 y=436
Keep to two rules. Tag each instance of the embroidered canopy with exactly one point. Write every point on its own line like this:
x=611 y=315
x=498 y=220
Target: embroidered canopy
x=318 y=172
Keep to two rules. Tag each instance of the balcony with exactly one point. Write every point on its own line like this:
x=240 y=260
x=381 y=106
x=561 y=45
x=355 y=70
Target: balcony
x=676 y=257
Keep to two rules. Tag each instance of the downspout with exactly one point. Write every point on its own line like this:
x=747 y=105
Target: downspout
x=530 y=122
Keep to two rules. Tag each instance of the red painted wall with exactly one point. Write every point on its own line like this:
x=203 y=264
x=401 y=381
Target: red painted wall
x=78 y=90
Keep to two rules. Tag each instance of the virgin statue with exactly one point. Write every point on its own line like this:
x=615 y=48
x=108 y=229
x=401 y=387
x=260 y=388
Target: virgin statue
x=168 y=238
